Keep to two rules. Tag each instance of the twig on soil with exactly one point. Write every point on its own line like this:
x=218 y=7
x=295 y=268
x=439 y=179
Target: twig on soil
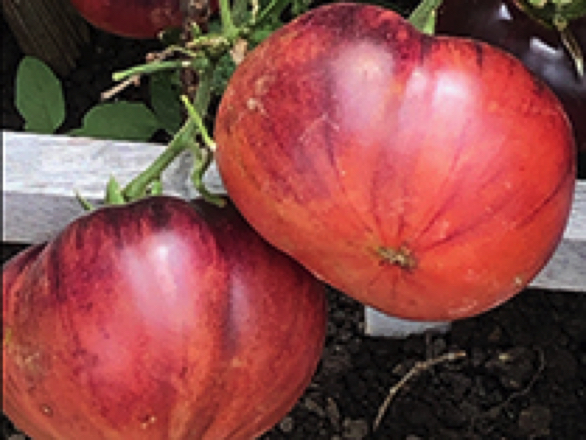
x=536 y=375
x=419 y=367
x=495 y=410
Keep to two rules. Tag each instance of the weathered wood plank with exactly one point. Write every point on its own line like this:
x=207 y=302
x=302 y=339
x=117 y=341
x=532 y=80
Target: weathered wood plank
x=42 y=173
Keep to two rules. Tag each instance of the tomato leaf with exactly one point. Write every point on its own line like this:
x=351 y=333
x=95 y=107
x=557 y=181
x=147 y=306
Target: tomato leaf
x=165 y=101
x=224 y=69
x=39 y=96
x=119 y=120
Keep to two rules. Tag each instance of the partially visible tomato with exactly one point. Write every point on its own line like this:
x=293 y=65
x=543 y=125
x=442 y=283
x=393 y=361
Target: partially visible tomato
x=157 y=320
x=428 y=177
x=135 y=18
x=540 y=47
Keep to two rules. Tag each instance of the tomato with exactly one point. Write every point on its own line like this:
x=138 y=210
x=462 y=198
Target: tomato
x=157 y=320
x=134 y=18
x=428 y=177
x=502 y=23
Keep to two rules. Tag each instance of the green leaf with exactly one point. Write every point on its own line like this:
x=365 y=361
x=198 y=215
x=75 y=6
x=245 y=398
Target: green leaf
x=39 y=97
x=165 y=101
x=119 y=120
x=260 y=34
x=222 y=74
x=300 y=7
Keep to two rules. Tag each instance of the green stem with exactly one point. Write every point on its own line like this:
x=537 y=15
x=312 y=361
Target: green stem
x=139 y=185
x=85 y=204
x=203 y=159
x=229 y=30
x=183 y=140
x=156 y=188
x=272 y=11
x=198 y=121
x=203 y=156
x=150 y=68
x=203 y=95
x=185 y=137
x=114 y=194
x=423 y=17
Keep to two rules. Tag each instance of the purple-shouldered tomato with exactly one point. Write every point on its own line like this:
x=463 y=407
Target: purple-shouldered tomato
x=157 y=320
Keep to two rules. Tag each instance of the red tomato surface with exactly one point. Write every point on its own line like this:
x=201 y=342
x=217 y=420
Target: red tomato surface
x=157 y=320
x=503 y=24
x=428 y=177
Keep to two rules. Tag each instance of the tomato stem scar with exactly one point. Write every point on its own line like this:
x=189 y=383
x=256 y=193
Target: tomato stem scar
x=401 y=257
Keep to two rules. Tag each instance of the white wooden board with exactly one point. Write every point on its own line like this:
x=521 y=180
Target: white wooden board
x=41 y=172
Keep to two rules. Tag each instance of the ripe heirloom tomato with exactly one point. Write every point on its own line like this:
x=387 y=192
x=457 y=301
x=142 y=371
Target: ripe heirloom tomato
x=157 y=320
x=428 y=177
x=503 y=24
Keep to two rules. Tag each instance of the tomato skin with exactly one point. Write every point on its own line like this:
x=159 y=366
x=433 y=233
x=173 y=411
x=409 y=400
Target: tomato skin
x=503 y=24
x=158 y=320
x=397 y=167
x=132 y=18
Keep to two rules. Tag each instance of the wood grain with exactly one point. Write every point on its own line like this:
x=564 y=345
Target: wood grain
x=43 y=172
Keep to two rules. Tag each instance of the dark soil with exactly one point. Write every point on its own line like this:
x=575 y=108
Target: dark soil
x=524 y=376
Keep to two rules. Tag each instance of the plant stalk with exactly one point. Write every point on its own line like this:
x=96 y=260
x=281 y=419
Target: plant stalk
x=198 y=121
x=138 y=186
x=272 y=11
x=202 y=98
x=182 y=141
x=229 y=30
x=150 y=68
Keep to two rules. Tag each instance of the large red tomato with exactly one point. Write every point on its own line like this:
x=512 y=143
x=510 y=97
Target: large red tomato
x=428 y=177
x=157 y=320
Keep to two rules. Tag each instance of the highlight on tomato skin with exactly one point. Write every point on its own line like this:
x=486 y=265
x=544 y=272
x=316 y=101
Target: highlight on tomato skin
x=158 y=319
x=428 y=177
x=540 y=47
